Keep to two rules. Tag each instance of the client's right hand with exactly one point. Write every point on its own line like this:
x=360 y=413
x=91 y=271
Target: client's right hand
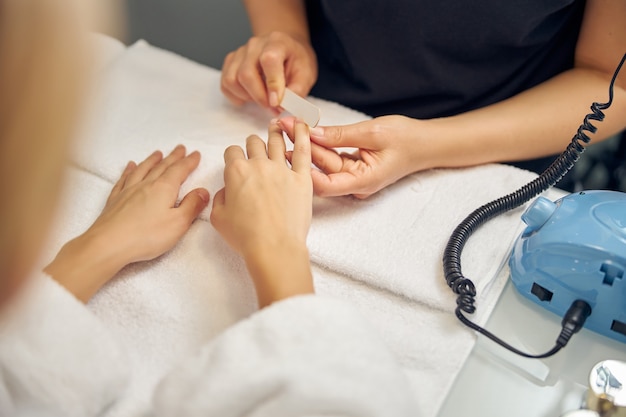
x=264 y=212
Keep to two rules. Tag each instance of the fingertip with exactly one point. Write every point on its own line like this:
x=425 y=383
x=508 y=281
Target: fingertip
x=204 y=195
x=195 y=155
x=219 y=199
x=273 y=99
x=194 y=202
x=286 y=122
x=317 y=132
x=130 y=166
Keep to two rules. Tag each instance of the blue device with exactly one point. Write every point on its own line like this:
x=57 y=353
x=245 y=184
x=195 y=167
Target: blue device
x=575 y=249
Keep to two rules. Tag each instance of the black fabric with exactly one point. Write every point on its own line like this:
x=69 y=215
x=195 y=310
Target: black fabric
x=427 y=59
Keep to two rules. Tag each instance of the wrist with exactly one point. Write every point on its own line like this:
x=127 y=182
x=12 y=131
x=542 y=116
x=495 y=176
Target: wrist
x=279 y=270
x=427 y=148
x=278 y=16
x=84 y=265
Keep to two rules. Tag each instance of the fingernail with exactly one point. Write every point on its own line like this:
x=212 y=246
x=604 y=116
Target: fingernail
x=203 y=196
x=274 y=99
x=317 y=131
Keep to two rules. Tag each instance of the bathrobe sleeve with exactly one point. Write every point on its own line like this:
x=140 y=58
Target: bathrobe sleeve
x=305 y=356
x=56 y=357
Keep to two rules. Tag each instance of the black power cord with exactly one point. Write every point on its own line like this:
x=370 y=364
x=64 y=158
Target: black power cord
x=575 y=317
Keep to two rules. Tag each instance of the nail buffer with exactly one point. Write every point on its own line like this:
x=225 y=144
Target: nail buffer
x=300 y=108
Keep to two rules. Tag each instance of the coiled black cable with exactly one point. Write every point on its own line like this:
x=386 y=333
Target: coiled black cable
x=464 y=287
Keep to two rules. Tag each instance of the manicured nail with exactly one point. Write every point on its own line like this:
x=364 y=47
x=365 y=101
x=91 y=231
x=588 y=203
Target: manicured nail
x=203 y=196
x=317 y=131
x=274 y=99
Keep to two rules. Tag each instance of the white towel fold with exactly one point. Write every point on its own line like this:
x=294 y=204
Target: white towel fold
x=395 y=239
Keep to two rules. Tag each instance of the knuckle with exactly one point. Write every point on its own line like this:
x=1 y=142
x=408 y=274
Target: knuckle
x=276 y=36
x=228 y=59
x=228 y=80
x=269 y=56
x=253 y=42
x=246 y=76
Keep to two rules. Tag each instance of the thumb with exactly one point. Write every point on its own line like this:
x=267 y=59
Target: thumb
x=357 y=135
x=194 y=202
x=219 y=199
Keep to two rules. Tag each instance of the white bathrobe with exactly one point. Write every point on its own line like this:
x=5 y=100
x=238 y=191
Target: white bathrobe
x=305 y=356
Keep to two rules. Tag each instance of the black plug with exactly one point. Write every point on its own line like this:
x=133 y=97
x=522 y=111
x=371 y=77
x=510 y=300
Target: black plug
x=573 y=321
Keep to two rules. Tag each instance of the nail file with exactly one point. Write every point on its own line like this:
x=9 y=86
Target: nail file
x=300 y=108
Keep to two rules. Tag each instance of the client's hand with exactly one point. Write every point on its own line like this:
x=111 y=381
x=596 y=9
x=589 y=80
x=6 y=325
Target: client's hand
x=140 y=221
x=264 y=212
x=389 y=148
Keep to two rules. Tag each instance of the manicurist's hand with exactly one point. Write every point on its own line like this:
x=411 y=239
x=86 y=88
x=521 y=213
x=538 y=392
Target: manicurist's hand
x=140 y=221
x=260 y=70
x=264 y=212
x=389 y=148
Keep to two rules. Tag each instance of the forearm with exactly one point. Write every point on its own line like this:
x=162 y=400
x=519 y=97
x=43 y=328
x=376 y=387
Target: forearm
x=535 y=123
x=287 y=16
x=279 y=271
x=84 y=265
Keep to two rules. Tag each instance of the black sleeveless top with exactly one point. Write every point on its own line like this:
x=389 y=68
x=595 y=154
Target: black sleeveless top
x=427 y=59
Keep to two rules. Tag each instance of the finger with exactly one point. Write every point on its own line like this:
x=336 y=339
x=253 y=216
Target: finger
x=177 y=154
x=232 y=153
x=179 y=171
x=328 y=160
x=193 y=203
x=121 y=182
x=250 y=75
x=272 y=61
x=229 y=84
x=219 y=199
x=362 y=135
x=301 y=156
x=255 y=147
x=139 y=173
x=337 y=184
x=276 y=143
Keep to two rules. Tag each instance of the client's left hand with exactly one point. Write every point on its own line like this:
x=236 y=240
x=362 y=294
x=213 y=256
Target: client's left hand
x=140 y=221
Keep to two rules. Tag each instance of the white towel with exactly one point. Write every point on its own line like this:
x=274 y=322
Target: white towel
x=382 y=254
x=395 y=240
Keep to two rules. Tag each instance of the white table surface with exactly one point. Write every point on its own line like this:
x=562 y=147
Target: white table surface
x=494 y=382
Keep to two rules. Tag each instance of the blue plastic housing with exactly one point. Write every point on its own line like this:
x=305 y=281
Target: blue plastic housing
x=575 y=248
